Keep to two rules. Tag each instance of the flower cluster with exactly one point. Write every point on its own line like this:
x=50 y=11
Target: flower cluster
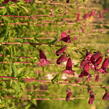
x=95 y=62
x=92 y=13
x=91 y=61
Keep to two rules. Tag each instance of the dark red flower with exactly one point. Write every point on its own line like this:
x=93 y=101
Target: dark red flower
x=95 y=57
x=106 y=96
x=97 y=77
x=82 y=64
x=91 y=98
x=42 y=55
x=86 y=67
x=60 y=51
x=84 y=73
x=61 y=59
x=105 y=63
x=69 y=67
x=101 y=70
x=68 y=95
x=98 y=61
x=42 y=59
x=65 y=37
x=5 y=1
x=88 y=56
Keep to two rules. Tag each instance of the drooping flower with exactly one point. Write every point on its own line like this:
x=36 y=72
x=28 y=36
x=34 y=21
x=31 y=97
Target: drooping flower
x=98 y=61
x=65 y=37
x=84 y=73
x=91 y=98
x=61 y=59
x=69 y=67
x=86 y=67
x=106 y=96
x=97 y=77
x=104 y=66
x=5 y=1
x=68 y=94
x=60 y=51
x=88 y=56
x=42 y=59
x=105 y=63
x=95 y=57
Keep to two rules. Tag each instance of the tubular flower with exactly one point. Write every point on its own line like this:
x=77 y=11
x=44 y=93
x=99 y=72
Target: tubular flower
x=91 y=98
x=84 y=73
x=69 y=67
x=60 y=51
x=88 y=56
x=105 y=63
x=86 y=67
x=6 y=1
x=42 y=59
x=97 y=77
x=95 y=57
x=61 y=59
x=98 y=61
x=106 y=96
x=104 y=66
x=65 y=37
x=68 y=95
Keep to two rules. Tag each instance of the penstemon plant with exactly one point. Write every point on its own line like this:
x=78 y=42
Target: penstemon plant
x=50 y=50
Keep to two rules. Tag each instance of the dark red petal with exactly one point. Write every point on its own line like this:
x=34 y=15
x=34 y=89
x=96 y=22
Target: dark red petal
x=83 y=73
x=86 y=67
x=66 y=39
x=88 y=56
x=91 y=99
x=69 y=64
x=69 y=94
x=98 y=61
x=60 y=51
x=5 y=1
x=106 y=96
x=95 y=57
x=97 y=78
x=83 y=63
x=42 y=55
x=105 y=63
x=61 y=59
